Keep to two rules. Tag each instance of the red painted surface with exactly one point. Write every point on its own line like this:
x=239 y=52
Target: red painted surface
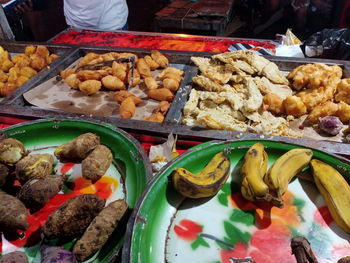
x=188 y=230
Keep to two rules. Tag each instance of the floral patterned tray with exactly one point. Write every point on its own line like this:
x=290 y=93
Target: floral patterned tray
x=166 y=227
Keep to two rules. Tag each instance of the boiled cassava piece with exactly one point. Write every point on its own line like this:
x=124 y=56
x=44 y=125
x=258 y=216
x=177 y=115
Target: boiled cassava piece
x=4 y=172
x=35 y=193
x=11 y=151
x=96 y=164
x=14 y=257
x=34 y=166
x=13 y=213
x=73 y=216
x=77 y=149
x=56 y=255
x=100 y=229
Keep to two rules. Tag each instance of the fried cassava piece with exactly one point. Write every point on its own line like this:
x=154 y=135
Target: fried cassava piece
x=73 y=216
x=4 y=172
x=96 y=164
x=35 y=193
x=77 y=149
x=56 y=255
x=11 y=151
x=34 y=166
x=13 y=213
x=14 y=257
x=100 y=229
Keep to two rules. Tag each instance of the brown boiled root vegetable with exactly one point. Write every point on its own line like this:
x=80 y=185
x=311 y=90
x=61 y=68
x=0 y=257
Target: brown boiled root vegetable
x=96 y=164
x=4 y=172
x=13 y=213
x=11 y=151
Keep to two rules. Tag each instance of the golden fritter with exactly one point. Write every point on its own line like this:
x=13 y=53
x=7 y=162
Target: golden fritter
x=156 y=117
x=171 y=84
x=21 y=60
x=151 y=63
x=37 y=62
x=119 y=70
x=107 y=57
x=72 y=81
x=21 y=80
x=3 y=76
x=162 y=107
x=30 y=50
x=7 y=89
x=343 y=91
x=127 y=108
x=42 y=51
x=143 y=68
x=151 y=83
x=6 y=65
x=159 y=58
x=120 y=96
x=27 y=72
x=171 y=70
x=52 y=58
x=322 y=110
x=344 y=112
x=313 y=97
x=113 y=83
x=294 y=106
x=13 y=75
x=88 y=75
x=87 y=58
x=171 y=75
x=136 y=79
x=65 y=73
x=90 y=86
x=273 y=103
x=160 y=94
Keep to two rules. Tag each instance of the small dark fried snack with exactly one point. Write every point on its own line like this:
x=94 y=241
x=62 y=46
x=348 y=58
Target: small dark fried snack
x=4 y=172
x=78 y=149
x=96 y=164
x=56 y=255
x=11 y=151
x=13 y=213
x=73 y=217
x=14 y=257
x=34 y=166
x=100 y=229
x=36 y=192
x=160 y=94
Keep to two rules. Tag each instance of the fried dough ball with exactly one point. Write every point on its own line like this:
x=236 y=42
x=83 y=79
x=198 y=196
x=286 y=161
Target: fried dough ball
x=21 y=60
x=112 y=83
x=52 y=58
x=127 y=108
x=171 y=84
x=107 y=57
x=90 y=86
x=120 y=96
x=88 y=75
x=65 y=73
x=72 y=81
x=344 y=112
x=156 y=117
x=143 y=68
x=3 y=76
x=162 y=94
x=273 y=103
x=42 y=51
x=87 y=58
x=13 y=74
x=343 y=91
x=151 y=63
x=119 y=70
x=294 y=106
x=7 y=89
x=126 y=54
x=27 y=72
x=159 y=58
x=21 y=80
x=6 y=65
x=151 y=83
x=315 y=96
x=102 y=72
x=325 y=109
x=30 y=50
x=162 y=107
x=37 y=62
x=136 y=79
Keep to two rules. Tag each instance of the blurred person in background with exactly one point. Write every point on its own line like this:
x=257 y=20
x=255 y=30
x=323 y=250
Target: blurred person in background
x=106 y=15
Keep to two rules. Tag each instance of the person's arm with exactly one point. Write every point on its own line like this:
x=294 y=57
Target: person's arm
x=4 y=1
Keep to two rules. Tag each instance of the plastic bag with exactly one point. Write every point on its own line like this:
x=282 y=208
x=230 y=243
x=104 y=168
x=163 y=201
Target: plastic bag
x=328 y=43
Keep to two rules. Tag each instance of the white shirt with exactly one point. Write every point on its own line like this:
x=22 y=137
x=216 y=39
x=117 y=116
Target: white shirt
x=104 y=15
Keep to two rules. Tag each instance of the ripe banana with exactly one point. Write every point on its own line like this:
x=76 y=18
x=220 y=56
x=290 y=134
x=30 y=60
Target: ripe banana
x=285 y=168
x=335 y=190
x=206 y=183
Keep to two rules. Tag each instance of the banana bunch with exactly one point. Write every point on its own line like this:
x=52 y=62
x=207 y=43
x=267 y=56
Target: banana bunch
x=206 y=183
x=258 y=184
x=335 y=190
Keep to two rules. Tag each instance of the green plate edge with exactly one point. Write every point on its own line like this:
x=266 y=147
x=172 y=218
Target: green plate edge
x=139 y=168
x=137 y=246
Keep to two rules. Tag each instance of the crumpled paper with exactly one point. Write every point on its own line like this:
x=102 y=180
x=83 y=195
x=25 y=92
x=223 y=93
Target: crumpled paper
x=161 y=154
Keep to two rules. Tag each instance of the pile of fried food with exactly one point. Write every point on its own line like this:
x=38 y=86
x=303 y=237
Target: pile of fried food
x=160 y=85
x=245 y=92
x=15 y=71
x=84 y=217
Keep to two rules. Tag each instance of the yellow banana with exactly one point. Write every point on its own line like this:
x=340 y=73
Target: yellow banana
x=206 y=183
x=285 y=168
x=253 y=171
x=335 y=190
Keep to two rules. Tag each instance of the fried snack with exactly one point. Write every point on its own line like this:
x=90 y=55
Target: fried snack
x=21 y=80
x=151 y=63
x=343 y=112
x=90 y=87
x=37 y=62
x=126 y=55
x=65 y=73
x=14 y=257
x=273 y=103
x=42 y=51
x=73 y=216
x=52 y=58
x=100 y=229
x=3 y=76
x=99 y=59
x=127 y=108
x=96 y=164
x=27 y=72
x=159 y=58
x=36 y=192
x=327 y=108
x=6 y=65
x=4 y=172
x=163 y=107
x=151 y=83
x=56 y=254
x=170 y=75
x=156 y=117
x=113 y=83
x=343 y=91
x=315 y=96
x=87 y=58
x=170 y=70
x=72 y=81
x=107 y=57
x=7 y=89
x=171 y=84
x=11 y=151
x=136 y=79
x=294 y=106
x=160 y=94
x=119 y=70
x=13 y=213
x=88 y=75
x=21 y=60
x=77 y=149
x=34 y=166
x=13 y=75
x=120 y=96
x=143 y=68
x=30 y=50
